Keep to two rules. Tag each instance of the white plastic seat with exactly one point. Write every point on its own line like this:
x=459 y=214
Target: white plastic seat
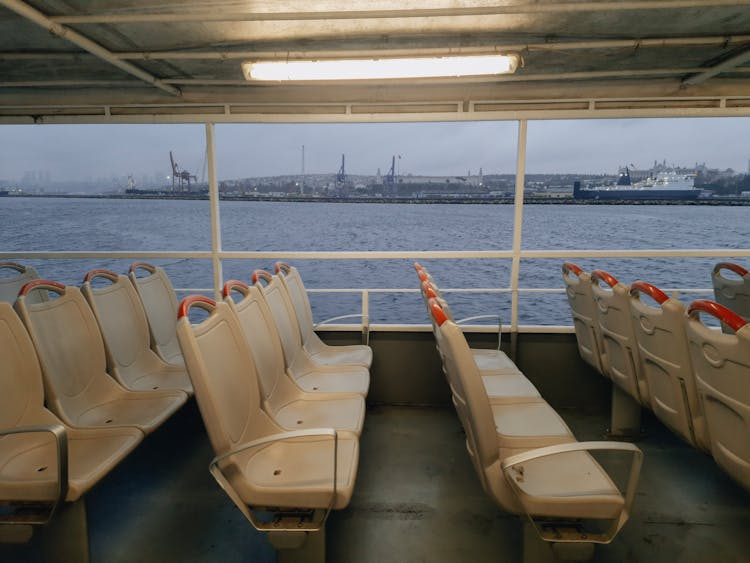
x=734 y=294
x=11 y=285
x=488 y=361
x=503 y=381
x=41 y=459
x=160 y=304
x=286 y=403
x=665 y=357
x=558 y=481
x=721 y=363
x=612 y=301
x=123 y=323
x=578 y=287
x=307 y=373
x=322 y=353
x=71 y=354
x=257 y=463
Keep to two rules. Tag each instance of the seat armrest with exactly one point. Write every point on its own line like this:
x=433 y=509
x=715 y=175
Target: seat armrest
x=477 y=317
x=61 y=441
x=629 y=495
x=365 y=324
x=340 y=317
x=244 y=508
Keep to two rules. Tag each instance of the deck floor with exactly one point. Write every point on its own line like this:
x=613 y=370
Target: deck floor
x=416 y=499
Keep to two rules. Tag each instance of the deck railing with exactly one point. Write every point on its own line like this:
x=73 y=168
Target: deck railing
x=515 y=254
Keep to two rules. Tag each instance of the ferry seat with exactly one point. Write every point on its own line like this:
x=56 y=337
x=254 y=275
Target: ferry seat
x=721 y=362
x=44 y=462
x=123 y=323
x=303 y=368
x=506 y=383
x=325 y=354
x=11 y=285
x=733 y=293
x=578 y=288
x=544 y=474
x=295 y=476
x=160 y=304
x=291 y=407
x=612 y=300
x=665 y=358
x=489 y=360
x=73 y=361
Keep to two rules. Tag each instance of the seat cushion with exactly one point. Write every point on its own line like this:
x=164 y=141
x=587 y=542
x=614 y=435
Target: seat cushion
x=347 y=413
x=333 y=379
x=566 y=485
x=493 y=361
x=522 y=426
x=28 y=471
x=296 y=473
x=355 y=354
x=508 y=388
x=145 y=410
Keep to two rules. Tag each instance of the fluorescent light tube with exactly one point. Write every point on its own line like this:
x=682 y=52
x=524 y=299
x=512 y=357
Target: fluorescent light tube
x=387 y=68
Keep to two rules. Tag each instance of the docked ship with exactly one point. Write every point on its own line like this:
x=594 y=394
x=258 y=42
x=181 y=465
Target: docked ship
x=666 y=185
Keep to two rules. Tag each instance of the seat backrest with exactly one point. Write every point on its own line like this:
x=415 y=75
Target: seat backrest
x=12 y=284
x=68 y=344
x=20 y=377
x=122 y=321
x=581 y=300
x=612 y=299
x=734 y=294
x=259 y=329
x=295 y=287
x=218 y=359
x=160 y=304
x=470 y=394
x=282 y=309
x=665 y=357
x=721 y=363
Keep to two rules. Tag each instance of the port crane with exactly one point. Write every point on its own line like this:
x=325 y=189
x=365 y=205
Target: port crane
x=182 y=176
x=390 y=177
x=341 y=174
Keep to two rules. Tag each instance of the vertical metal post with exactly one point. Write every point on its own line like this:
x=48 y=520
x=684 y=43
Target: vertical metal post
x=213 y=195
x=365 y=317
x=517 y=231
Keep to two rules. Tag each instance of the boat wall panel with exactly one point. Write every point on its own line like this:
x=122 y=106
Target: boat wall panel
x=406 y=368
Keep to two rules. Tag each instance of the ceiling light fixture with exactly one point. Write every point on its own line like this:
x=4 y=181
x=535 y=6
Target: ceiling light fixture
x=373 y=69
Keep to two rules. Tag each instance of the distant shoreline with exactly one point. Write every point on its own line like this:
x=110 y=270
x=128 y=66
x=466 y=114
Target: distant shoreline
x=533 y=200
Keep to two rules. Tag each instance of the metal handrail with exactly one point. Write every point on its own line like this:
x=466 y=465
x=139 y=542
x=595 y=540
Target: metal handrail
x=364 y=293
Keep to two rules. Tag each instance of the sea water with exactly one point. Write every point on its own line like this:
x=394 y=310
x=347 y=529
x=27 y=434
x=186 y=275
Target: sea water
x=62 y=224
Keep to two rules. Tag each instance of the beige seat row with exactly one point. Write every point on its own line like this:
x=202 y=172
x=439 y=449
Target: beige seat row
x=285 y=454
x=50 y=458
x=283 y=415
x=488 y=360
x=503 y=381
x=526 y=457
x=695 y=379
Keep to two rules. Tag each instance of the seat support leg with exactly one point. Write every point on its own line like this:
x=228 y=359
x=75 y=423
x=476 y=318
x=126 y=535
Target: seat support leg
x=536 y=550
x=65 y=538
x=298 y=547
x=626 y=415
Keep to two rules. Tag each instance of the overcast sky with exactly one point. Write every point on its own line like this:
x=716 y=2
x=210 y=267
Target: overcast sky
x=70 y=152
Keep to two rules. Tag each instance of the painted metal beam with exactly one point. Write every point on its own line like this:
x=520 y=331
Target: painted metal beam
x=34 y=15
x=656 y=42
x=729 y=64
x=449 y=12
